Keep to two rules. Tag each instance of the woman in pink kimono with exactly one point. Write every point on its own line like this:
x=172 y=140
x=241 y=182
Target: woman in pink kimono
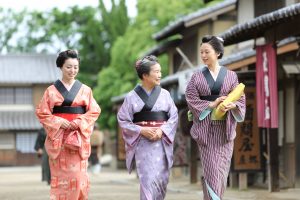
x=148 y=118
x=68 y=112
x=205 y=91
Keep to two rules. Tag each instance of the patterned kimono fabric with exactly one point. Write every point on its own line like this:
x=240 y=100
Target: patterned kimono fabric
x=152 y=169
x=68 y=149
x=69 y=178
x=215 y=160
x=153 y=159
x=214 y=137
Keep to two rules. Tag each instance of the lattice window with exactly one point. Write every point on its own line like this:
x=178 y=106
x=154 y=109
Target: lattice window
x=25 y=142
x=16 y=95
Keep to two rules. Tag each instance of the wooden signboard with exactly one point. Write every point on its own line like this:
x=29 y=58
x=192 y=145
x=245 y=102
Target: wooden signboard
x=247 y=146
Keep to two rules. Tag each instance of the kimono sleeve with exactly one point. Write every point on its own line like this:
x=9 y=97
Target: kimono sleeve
x=239 y=112
x=169 y=129
x=131 y=131
x=86 y=121
x=195 y=104
x=50 y=122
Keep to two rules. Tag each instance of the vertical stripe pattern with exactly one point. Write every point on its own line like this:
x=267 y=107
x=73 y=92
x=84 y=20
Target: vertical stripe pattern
x=198 y=87
x=214 y=138
x=215 y=157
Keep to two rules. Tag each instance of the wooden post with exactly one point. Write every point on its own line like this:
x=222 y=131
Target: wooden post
x=194 y=162
x=243 y=181
x=233 y=177
x=272 y=136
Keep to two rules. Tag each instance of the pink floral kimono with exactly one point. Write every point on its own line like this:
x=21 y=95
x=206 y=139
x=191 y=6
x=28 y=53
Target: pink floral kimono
x=68 y=150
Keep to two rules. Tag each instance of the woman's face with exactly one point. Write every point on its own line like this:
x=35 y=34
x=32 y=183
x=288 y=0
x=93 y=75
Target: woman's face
x=208 y=55
x=70 y=68
x=154 y=76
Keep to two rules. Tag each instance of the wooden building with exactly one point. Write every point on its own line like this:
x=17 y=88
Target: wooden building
x=272 y=158
x=23 y=79
x=274 y=151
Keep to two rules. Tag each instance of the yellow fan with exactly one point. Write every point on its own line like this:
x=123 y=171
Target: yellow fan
x=234 y=95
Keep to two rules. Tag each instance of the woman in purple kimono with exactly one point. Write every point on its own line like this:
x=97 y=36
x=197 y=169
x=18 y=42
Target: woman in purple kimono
x=205 y=91
x=148 y=118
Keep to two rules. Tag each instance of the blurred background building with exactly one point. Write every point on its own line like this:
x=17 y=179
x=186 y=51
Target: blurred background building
x=266 y=155
x=23 y=80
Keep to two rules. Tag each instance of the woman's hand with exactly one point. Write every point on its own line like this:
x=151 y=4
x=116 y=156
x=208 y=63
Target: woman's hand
x=229 y=106
x=148 y=132
x=65 y=124
x=39 y=152
x=158 y=134
x=215 y=103
x=73 y=125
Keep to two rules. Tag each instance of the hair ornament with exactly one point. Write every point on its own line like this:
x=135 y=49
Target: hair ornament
x=220 y=39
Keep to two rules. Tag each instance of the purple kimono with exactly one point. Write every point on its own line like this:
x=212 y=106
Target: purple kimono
x=214 y=137
x=153 y=158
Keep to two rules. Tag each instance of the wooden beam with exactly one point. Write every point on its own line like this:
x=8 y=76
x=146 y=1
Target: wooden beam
x=287 y=48
x=242 y=63
x=250 y=60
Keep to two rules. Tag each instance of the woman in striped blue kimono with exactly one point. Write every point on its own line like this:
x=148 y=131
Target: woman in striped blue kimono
x=205 y=91
x=148 y=118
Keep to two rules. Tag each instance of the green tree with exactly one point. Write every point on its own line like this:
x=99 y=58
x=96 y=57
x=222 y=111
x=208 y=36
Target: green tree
x=120 y=76
x=9 y=27
x=92 y=31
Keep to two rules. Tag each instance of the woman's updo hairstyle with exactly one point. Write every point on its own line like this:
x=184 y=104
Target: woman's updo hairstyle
x=143 y=66
x=216 y=43
x=64 y=55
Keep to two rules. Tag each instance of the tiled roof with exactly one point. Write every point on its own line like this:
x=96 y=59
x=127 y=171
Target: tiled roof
x=197 y=17
x=163 y=47
x=28 y=69
x=258 y=26
x=18 y=120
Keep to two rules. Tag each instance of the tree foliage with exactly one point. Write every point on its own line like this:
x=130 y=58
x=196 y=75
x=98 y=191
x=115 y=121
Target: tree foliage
x=9 y=26
x=120 y=76
x=92 y=31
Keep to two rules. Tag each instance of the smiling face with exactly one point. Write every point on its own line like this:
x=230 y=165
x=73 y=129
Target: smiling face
x=208 y=55
x=70 y=69
x=154 y=76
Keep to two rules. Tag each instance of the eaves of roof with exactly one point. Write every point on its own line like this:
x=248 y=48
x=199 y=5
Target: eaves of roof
x=18 y=120
x=258 y=26
x=194 y=18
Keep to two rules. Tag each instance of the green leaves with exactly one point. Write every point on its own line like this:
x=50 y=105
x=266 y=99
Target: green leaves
x=92 y=31
x=120 y=77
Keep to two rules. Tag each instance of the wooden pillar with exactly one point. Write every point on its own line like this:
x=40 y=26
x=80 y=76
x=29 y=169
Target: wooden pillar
x=233 y=177
x=273 y=167
x=297 y=133
x=194 y=162
x=243 y=181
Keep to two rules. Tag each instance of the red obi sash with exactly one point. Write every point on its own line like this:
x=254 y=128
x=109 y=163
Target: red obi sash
x=67 y=116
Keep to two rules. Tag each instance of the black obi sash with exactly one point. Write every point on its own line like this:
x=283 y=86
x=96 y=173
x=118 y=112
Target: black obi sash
x=146 y=114
x=69 y=97
x=215 y=86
